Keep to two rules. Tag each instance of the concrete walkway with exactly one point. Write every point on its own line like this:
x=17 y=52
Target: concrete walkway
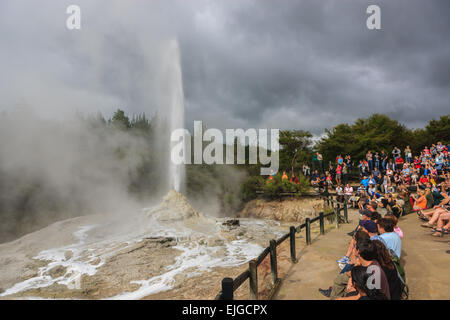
x=423 y=256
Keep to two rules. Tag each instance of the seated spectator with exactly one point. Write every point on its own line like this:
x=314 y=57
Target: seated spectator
x=429 y=196
x=328 y=178
x=348 y=192
x=363 y=199
x=443 y=224
x=339 y=193
x=390 y=172
x=360 y=278
x=372 y=192
x=399 y=163
x=420 y=201
x=390 y=238
x=367 y=226
x=432 y=215
x=365 y=182
x=414 y=178
x=365 y=255
x=385 y=260
x=407 y=202
x=396 y=228
x=368 y=213
x=372 y=180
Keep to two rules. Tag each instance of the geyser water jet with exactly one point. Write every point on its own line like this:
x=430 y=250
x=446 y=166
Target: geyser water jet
x=175 y=109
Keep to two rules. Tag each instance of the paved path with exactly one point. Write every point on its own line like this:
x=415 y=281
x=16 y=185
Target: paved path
x=424 y=257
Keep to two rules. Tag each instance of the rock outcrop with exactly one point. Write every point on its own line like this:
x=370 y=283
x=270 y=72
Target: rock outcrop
x=290 y=210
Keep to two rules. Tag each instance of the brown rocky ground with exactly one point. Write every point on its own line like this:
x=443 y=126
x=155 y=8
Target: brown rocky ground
x=120 y=262
x=288 y=210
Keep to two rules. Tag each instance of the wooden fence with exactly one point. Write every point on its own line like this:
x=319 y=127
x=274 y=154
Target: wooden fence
x=229 y=285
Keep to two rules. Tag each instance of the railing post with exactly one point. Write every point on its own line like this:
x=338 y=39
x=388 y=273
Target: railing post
x=292 y=240
x=336 y=217
x=345 y=211
x=322 y=223
x=253 y=269
x=273 y=261
x=308 y=231
x=227 y=289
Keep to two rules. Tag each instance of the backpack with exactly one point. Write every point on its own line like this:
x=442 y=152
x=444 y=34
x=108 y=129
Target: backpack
x=401 y=275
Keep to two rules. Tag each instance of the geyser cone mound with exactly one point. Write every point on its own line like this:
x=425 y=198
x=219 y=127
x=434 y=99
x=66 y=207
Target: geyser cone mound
x=174 y=207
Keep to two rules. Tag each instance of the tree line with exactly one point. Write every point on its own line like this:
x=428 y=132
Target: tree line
x=222 y=188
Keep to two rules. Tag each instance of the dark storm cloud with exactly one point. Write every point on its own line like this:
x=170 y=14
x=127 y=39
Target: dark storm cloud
x=313 y=64
x=246 y=63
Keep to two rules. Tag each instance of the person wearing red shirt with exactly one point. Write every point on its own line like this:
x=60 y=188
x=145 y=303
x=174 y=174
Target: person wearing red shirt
x=423 y=180
x=417 y=163
x=399 y=162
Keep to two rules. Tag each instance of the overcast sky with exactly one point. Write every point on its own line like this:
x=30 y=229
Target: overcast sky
x=245 y=63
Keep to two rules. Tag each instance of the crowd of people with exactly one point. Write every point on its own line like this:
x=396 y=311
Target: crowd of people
x=417 y=183
x=389 y=188
x=371 y=268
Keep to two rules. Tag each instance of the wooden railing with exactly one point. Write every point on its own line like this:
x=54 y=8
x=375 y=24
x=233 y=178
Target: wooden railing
x=229 y=285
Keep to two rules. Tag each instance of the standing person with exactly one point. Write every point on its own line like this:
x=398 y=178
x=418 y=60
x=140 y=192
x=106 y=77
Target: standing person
x=384 y=158
x=349 y=162
x=332 y=171
x=408 y=154
x=306 y=170
x=361 y=168
x=339 y=159
x=423 y=161
x=314 y=162
x=377 y=161
x=433 y=150
x=320 y=162
x=427 y=152
x=396 y=153
x=345 y=173
x=369 y=158
x=338 y=174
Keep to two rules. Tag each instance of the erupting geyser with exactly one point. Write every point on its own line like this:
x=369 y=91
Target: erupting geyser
x=175 y=111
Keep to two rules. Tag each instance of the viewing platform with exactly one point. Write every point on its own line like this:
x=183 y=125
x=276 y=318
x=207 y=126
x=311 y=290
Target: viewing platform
x=424 y=258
